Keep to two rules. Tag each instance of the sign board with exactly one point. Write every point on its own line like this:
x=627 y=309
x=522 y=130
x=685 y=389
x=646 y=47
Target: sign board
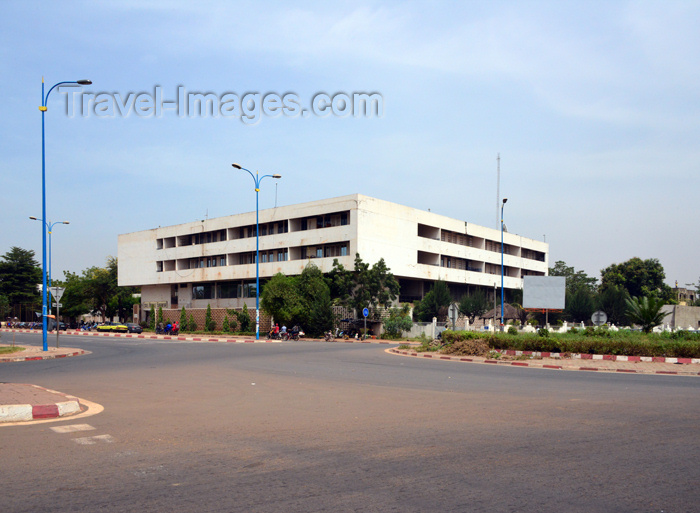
x=544 y=292
x=599 y=317
x=453 y=313
x=60 y=305
x=365 y=312
x=57 y=292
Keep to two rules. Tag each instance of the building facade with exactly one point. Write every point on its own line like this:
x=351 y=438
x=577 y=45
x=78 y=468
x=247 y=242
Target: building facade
x=212 y=262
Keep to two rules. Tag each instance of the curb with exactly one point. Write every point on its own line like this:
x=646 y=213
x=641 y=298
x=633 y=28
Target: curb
x=588 y=368
x=27 y=412
x=198 y=338
x=42 y=357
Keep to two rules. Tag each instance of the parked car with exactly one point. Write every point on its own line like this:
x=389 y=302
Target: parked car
x=113 y=327
x=133 y=327
x=51 y=325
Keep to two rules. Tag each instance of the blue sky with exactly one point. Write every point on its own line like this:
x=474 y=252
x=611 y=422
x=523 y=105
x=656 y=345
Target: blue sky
x=593 y=107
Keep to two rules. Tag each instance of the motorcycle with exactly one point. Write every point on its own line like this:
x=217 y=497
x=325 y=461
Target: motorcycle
x=328 y=336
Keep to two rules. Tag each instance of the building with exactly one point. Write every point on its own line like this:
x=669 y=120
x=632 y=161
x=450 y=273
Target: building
x=212 y=262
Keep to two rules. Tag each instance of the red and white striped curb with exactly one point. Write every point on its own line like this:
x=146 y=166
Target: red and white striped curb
x=47 y=356
x=438 y=356
x=25 y=412
x=194 y=338
x=609 y=357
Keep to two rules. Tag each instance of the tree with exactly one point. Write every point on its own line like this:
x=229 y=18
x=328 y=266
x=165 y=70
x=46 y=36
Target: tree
x=579 y=305
x=209 y=323
x=613 y=301
x=645 y=312
x=473 y=305
x=183 y=319
x=20 y=276
x=638 y=277
x=399 y=321
x=575 y=280
x=363 y=287
x=303 y=300
x=434 y=304
x=281 y=298
x=244 y=321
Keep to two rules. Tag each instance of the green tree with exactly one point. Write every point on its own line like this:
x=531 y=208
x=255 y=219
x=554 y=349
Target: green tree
x=74 y=299
x=320 y=316
x=613 y=301
x=4 y=307
x=183 y=319
x=303 y=300
x=580 y=305
x=473 y=305
x=281 y=298
x=575 y=280
x=639 y=277
x=363 y=286
x=99 y=287
x=191 y=325
x=20 y=276
x=399 y=320
x=123 y=298
x=159 y=319
x=244 y=320
x=645 y=312
x=152 y=319
x=434 y=304
x=225 y=325
x=209 y=323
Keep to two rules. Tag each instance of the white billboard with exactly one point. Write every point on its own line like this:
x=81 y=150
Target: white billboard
x=544 y=292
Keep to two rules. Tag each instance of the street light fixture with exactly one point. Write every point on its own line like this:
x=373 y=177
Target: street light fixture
x=49 y=227
x=257 y=179
x=43 y=109
x=502 y=205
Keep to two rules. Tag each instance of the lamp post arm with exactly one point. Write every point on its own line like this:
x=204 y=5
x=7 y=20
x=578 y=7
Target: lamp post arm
x=46 y=98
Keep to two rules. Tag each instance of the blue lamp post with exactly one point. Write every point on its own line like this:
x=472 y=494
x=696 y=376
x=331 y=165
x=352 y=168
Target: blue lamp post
x=257 y=179
x=43 y=109
x=502 y=205
x=49 y=227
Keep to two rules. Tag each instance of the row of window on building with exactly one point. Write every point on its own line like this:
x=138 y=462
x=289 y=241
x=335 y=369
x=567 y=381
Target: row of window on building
x=242 y=232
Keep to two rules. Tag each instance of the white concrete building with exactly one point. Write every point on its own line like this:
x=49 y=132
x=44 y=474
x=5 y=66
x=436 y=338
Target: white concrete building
x=213 y=261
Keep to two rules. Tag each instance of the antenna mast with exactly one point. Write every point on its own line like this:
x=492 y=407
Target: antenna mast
x=498 y=189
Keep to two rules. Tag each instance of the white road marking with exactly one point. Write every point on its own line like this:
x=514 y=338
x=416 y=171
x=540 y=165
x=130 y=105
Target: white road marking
x=92 y=440
x=72 y=428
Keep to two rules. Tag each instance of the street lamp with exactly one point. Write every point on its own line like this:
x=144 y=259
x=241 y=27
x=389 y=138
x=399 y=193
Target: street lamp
x=257 y=179
x=502 y=205
x=43 y=109
x=49 y=227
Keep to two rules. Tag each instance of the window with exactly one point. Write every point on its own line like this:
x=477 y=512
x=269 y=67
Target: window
x=343 y=218
x=344 y=250
x=204 y=291
x=319 y=252
x=222 y=260
x=304 y=225
x=263 y=230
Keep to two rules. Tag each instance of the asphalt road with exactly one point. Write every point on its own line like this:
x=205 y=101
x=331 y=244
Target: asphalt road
x=309 y=427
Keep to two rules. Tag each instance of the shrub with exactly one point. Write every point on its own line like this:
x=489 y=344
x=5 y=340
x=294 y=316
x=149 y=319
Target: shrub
x=512 y=330
x=225 y=326
x=543 y=332
x=191 y=325
x=471 y=347
x=183 y=319
x=209 y=323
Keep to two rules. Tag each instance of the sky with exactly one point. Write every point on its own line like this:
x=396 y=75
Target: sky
x=593 y=107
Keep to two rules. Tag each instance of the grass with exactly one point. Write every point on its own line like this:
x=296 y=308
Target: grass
x=10 y=350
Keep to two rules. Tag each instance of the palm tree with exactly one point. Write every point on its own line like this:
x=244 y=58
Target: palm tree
x=646 y=312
